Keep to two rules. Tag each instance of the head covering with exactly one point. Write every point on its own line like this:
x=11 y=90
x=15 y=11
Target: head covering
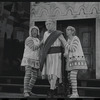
x=72 y=28
x=32 y=28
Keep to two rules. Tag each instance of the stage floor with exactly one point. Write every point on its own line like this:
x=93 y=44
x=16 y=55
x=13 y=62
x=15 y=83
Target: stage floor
x=19 y=95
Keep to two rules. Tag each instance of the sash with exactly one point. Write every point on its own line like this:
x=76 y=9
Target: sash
x=55 y=49
x=49 y=41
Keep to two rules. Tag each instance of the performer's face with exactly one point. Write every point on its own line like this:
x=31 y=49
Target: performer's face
x=34 y=32
x=69 y=32
x=49 y=25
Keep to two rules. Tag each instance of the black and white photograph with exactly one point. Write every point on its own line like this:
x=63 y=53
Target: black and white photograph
x=49 y=50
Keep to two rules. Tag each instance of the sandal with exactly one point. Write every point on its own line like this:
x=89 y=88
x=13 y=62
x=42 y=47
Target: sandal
x=74 y=96
x=26 y=94
x=32 y=94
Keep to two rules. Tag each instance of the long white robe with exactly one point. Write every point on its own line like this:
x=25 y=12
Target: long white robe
x=52 y=65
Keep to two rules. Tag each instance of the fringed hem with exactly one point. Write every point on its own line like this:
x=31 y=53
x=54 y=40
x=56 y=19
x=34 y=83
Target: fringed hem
x=76 y=67
x=30 y=62
x=48 y=76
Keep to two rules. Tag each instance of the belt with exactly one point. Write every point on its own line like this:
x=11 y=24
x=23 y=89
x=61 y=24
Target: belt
x=57 y=49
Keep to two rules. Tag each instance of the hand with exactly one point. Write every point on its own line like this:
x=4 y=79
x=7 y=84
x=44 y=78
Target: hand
x=65 y=54
x=42 y=41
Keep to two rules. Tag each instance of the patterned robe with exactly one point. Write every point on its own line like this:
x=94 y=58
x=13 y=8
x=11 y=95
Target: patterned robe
x=75 y=59
x=31 y=53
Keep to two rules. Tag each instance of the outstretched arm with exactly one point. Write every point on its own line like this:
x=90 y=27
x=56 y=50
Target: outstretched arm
x=65 y=44
x=63 y=41
x=29 y=42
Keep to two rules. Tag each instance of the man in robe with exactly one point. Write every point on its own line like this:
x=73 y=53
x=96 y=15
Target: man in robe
x=51 y=58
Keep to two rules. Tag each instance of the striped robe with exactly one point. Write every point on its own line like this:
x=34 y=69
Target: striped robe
x=76 y=59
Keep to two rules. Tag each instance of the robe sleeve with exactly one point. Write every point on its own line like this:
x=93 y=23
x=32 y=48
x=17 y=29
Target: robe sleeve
x=29 y=42
x=63 y=41
x=74 y=45
x=44 y=37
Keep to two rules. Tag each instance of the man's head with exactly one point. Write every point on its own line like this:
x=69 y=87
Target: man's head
x=50 y=24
